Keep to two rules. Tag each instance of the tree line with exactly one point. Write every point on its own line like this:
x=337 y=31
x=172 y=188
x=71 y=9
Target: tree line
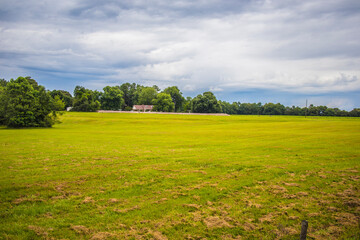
x=171 y=99
x=25 y=103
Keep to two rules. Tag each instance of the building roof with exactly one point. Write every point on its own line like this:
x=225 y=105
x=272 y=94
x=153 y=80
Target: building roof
x=143 y=107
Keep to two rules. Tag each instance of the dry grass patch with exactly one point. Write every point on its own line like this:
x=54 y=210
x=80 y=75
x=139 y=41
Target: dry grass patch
x=216 y=222
x=39 y=231
x=79 y=229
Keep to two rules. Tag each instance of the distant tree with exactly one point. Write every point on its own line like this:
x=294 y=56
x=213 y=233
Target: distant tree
x=130 y=94
x=235 y=107
x=355 y=112
x=205 y=103
x=65 y=96
x=85 y=100
x=156 y=88
x=59 y=104
x=2 y=101
x=340 y=113
x=312 y=110
x=163 y=103
x=147 y=95
x=3 y=83
x=24 y=103
x=274 y=109
x=176 y=97
x=226 y=107
x=317 y=110
x=112 y=98
x=329 y=112
x=187 y=104
x=321 y=110
x=250 y=108
x=297 y=111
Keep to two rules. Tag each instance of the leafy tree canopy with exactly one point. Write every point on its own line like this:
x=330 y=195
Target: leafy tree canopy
x=163 y=103
x=147 y=95
x=3 y=83
x=176 y=97
x=65 y=96
x=187 y=104
x=24 y=103
x=112 y=98
x=206 y=103
x=130 y=94
x=274 y=109
x=86 y=100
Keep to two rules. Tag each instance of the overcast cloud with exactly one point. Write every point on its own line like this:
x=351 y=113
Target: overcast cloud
x=241 y=50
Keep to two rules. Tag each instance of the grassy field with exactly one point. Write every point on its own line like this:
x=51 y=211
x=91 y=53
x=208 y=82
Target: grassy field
x=148 y=176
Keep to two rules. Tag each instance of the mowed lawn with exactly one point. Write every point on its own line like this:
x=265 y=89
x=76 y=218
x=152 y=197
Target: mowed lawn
x=150 y=176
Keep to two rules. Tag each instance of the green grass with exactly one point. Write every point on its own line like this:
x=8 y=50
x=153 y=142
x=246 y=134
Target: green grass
x=143 y=176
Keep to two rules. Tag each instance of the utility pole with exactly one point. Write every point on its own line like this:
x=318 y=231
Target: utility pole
x=306 y=109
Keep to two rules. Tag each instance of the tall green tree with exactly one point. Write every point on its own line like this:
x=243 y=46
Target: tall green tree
x=112 y=98
x=27 y=104
x=147 y=95
x=250 y=108
x=176 y=97
x=3 y=84
x=65 y=96
x=355 y=112
x=206 y=103
x=163 y=103
x=130 y=94
x=156 y=88
x=297 y=111
x=187 y=104
x=86 y=100
x=226 y=107
x=274 y=109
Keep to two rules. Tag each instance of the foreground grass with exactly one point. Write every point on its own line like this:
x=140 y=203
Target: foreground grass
x=144 y=176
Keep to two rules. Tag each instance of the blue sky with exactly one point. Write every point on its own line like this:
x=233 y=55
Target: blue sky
x=249 y=51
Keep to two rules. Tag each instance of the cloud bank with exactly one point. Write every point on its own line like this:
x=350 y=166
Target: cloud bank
x=294 y=48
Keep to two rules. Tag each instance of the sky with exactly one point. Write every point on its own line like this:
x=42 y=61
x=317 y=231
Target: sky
x=241 y=50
